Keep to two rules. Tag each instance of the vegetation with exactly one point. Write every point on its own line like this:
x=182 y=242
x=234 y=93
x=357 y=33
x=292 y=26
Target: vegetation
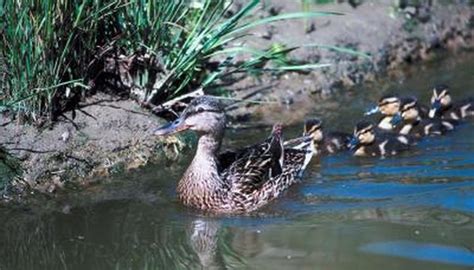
x=9 y=168
x=53 y=53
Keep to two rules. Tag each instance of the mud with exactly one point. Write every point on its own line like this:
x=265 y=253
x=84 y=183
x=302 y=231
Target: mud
x=113 y=136
x=107 y=136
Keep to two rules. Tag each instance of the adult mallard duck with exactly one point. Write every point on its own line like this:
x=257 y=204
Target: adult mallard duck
x=234 y=181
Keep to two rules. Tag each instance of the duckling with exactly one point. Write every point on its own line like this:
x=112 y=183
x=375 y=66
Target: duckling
x=409 y=122
x=326 y=142
x=248 y=178
x=366 y=141
x=442 y=105
x=389 y=106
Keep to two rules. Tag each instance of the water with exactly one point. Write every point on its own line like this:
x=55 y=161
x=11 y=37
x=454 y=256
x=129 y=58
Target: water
x=414 y=211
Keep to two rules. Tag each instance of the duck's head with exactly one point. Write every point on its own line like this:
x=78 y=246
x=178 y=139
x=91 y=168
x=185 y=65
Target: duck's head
x=313 y=128
x=204 y=115
x=440 y=99
x=364 y=133
x=387 y=105
x=408 y=111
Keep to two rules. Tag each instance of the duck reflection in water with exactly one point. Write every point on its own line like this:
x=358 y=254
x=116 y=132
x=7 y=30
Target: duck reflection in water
x=207 y=239
x=203 y=239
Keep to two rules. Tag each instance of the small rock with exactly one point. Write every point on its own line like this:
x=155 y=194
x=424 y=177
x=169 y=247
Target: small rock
x=310 y=28
x=275 y=10
x=267 y=35
x=354 y=3
x=57 y=181
x=288 y=101
x=424 y=14
x=66 y=209
x=410 y=12
x=65 y=136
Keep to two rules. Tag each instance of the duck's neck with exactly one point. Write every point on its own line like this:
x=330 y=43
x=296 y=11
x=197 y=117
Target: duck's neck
x=209 y=145
x=202 y=178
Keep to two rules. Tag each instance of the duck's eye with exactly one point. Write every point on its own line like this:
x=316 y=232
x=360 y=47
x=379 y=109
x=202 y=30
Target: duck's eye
x=200 y=109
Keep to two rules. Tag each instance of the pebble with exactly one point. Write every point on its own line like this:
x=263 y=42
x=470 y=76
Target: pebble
x=65 y=136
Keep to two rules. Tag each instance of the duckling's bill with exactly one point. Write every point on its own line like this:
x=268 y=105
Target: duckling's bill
x=396 y=119
x=372 y=110
x=354 y=142
x=436 y=106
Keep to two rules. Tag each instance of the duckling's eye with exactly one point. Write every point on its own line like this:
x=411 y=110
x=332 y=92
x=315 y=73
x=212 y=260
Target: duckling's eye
x=200 y=109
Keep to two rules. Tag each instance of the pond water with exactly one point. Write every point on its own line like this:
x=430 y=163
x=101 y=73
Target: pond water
x=414 y=211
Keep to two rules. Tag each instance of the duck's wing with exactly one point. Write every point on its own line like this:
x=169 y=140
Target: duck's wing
x=229 y=157
x=226 y=158
x=252 y=166
x=266 y=170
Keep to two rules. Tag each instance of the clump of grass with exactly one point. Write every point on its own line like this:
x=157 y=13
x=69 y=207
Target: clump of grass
x=53 y=53
x=45 y=46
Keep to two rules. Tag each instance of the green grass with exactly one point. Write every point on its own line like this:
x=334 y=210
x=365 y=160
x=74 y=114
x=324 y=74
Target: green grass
x=53 y=53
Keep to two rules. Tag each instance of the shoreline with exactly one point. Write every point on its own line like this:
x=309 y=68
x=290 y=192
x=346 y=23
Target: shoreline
x=113 y=135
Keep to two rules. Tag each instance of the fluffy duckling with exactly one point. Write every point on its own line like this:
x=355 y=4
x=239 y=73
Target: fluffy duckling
x=442 y=105
x=388 y=106
x=366 y=141
x=326 y=142
x=409 y=122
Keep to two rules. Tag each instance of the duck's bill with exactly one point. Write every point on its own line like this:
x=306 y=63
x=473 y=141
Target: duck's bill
x=434 y=109
x=396 y=119
x=171 y=128
x=372 y=110
x=353 y=143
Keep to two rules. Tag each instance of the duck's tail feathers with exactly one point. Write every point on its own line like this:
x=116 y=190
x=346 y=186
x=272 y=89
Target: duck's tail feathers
x=309 y=152
x=306 y=145
x=298 y=143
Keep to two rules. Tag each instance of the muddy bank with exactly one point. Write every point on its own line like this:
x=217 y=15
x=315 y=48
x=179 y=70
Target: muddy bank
x=110 y=135
x=394 y=35
x=106 y=136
